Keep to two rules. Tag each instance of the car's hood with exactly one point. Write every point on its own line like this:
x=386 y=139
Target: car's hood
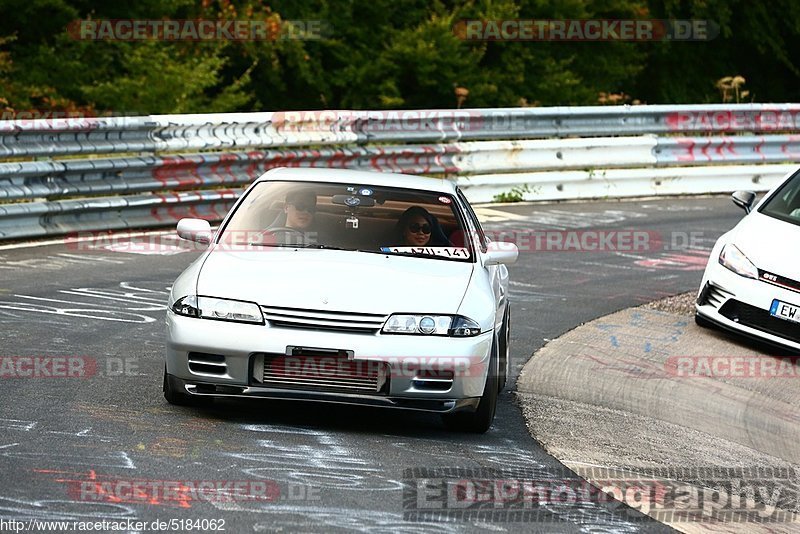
x=771 y=244
x=336 y=280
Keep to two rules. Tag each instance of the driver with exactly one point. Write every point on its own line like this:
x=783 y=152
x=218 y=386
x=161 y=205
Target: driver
x=295 y=225
x=300 y=207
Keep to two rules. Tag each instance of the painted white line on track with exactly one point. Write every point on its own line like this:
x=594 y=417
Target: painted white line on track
x=65 y=240
x=495 y=215
x=94 y=236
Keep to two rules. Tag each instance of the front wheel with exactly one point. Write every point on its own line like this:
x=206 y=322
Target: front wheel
x=505 y=350
x=480 y=420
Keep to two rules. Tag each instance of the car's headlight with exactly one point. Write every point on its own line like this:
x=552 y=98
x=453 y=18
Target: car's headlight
x=221 y=309
x=734 y=259
x=431 y=325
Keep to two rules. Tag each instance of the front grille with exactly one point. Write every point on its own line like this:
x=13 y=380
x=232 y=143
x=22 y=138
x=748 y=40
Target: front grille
x=778 y=280
x=207 y=364
x=320 y=372
x=364 y=323
x=759 y=319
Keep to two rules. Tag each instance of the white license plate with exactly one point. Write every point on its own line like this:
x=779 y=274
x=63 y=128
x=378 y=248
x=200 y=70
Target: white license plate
x=783 y=310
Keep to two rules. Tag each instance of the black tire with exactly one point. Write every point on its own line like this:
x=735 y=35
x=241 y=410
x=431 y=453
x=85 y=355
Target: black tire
x=479 y=421
x=505 y=350
x=702 y=321
x=177 y=398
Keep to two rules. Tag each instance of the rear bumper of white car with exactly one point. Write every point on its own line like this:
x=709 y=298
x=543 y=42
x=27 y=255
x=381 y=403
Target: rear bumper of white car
x=743 y=305
x=226 y=359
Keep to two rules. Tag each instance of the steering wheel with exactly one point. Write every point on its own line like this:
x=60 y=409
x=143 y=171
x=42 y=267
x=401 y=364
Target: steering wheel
x=285 y=230
x=286 y=235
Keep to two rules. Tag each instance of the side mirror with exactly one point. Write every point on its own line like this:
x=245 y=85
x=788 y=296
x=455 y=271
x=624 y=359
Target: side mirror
x=498 y=252
x=197 y=230
x=744 y=199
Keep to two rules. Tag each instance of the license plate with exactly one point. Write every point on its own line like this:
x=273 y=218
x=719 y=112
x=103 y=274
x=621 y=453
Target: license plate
x=783 y=310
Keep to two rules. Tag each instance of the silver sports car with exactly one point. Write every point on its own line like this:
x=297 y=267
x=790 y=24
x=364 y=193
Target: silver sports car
x=348 y=287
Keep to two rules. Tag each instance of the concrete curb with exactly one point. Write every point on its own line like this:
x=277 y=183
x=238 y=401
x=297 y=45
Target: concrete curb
x=643 y=389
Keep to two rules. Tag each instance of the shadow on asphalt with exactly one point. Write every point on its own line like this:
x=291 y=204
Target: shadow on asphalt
x=344 y=418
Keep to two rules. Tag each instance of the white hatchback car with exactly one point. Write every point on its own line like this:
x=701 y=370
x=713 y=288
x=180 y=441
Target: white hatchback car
x=752 y=282
x=348 y=287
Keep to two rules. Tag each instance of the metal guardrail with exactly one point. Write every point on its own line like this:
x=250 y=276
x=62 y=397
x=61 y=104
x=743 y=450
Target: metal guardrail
x=181 y=162
x=124 y=175
x=172 y=133
x=622 y=183
x=18 y=221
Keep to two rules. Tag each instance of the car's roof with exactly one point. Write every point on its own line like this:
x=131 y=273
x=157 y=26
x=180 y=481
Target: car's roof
x=302 y=174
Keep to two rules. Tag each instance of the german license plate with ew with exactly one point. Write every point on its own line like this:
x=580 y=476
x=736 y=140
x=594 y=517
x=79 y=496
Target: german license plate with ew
x=784 y=310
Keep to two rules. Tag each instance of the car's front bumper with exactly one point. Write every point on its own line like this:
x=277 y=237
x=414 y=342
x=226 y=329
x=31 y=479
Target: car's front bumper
x=404 y=357
x=199 y=389
x=742 y=305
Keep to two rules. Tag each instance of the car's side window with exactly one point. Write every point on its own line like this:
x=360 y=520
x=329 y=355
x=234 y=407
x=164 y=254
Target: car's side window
x=785 y=203
x=476 y=224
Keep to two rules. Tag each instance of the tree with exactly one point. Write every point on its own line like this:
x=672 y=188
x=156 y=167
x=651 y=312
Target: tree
x=756 y=40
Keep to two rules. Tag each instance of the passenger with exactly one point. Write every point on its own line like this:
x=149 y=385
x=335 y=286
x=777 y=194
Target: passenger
x=418 y=228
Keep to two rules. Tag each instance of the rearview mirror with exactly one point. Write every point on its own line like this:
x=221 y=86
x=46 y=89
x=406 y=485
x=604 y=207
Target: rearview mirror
x=197 y=230
x=498 y=252
x=353 y=201
x=744 y=199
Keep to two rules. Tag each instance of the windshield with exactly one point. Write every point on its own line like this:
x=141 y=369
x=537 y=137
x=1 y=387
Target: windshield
x=785 y=203
x=365 y=218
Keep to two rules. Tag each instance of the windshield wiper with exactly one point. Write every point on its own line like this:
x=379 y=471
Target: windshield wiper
x=318 y=246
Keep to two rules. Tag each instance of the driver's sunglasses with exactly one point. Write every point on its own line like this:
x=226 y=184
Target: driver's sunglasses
x=425 y=228
x=310 y=208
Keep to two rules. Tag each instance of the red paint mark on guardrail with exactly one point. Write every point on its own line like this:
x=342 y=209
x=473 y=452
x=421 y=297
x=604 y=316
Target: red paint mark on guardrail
x=222 y=168
x=688 y=146
x=794 y=141
x=757 y=149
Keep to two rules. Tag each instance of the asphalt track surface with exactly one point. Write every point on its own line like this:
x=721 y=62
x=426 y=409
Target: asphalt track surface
x=335 y=469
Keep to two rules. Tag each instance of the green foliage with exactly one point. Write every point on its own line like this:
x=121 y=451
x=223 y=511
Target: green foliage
x=757 y=41
x=387 y=54
x=179 y=85
x=516 y=194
